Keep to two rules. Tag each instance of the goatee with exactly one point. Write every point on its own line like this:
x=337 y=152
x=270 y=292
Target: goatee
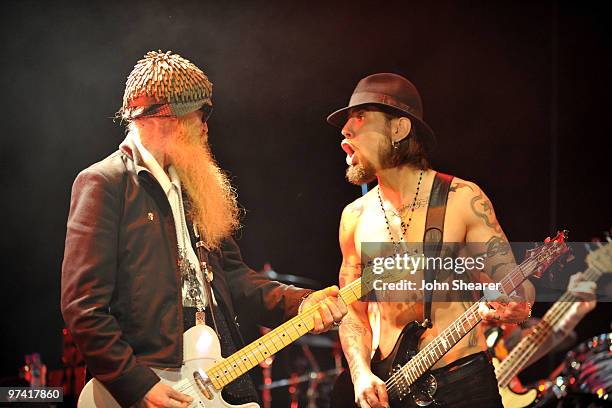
x=360 y=173
x=364 y=172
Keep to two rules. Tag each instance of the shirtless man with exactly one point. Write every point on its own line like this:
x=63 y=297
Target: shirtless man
x=386 y=139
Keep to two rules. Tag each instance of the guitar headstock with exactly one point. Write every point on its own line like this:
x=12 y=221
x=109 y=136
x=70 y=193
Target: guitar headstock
x=600 y=258
x=547 y=254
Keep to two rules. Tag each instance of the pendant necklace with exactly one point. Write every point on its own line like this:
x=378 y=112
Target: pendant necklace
x=405 y=225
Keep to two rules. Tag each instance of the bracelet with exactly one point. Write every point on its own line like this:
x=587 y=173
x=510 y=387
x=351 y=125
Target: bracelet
x=528 y=315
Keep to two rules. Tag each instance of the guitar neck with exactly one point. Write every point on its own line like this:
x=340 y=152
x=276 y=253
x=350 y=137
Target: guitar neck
x=438 y=347
x=227 y=370
x=529 y=345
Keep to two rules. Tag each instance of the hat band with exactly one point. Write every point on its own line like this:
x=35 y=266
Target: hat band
x=147 y=107
x=362 y=98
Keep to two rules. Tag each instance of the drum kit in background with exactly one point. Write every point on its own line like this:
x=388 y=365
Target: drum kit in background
x=302 y=374
x=584 y=378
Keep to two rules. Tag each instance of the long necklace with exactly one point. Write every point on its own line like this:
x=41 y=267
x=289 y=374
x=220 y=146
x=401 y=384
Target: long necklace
x=405 y=225
x=188 y=270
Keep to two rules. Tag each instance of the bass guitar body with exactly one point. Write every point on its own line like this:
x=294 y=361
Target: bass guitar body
x=201 y=350
x=516 y=399
x=406 y=346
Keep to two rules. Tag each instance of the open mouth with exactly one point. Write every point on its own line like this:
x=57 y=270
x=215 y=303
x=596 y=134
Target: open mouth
x=351 y=157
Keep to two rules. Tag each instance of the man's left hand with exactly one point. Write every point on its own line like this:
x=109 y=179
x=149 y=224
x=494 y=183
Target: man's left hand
x=505 y=310
x=331 y=308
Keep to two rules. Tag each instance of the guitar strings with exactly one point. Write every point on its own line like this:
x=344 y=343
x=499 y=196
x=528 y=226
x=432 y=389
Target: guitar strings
x=414 y=369
x=395 y=380
x=541 y=334
x=408 y=371
x=309 y=313
x=223 y=371
x=529 y=345
x=545 y=327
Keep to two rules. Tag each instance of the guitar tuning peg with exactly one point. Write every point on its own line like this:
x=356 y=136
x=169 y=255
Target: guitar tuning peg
x=565 y=234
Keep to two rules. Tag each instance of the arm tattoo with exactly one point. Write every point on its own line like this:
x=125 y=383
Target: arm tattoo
x=353 y=327
x=483 y=209
x=497 y=245
x=457 y=186
x=350 y=266
x=353 y=334
x=349 y=272
x=495 y=267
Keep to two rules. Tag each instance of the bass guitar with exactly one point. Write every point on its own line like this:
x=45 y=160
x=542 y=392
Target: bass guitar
x=405 y=369
x=599 y=262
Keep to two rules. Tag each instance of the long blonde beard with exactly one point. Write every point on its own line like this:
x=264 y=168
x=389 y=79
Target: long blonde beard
x=213 y=202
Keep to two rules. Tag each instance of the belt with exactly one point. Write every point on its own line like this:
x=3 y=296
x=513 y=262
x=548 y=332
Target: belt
x=463 y=367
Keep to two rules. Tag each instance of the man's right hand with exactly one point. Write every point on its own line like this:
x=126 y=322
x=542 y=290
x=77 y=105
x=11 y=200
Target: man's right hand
x=164 y=396
x=370 y=391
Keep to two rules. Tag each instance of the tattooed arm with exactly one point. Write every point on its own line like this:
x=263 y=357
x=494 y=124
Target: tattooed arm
x=355 y=330
x=482 y=227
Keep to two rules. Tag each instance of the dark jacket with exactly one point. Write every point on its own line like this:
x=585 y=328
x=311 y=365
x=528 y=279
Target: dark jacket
x=121 y=287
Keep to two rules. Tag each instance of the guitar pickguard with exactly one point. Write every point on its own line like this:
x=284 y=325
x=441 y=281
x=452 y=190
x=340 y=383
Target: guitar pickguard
x=201 y=351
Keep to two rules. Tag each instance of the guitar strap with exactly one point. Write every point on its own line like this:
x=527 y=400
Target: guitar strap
x=434 y=232
x=207 y=277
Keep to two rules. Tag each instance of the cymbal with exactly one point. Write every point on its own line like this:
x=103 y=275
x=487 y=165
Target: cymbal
x=292 y=279
x=313 y=375
x=317 y=340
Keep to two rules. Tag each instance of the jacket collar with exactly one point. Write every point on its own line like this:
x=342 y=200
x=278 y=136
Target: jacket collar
x=128 y=147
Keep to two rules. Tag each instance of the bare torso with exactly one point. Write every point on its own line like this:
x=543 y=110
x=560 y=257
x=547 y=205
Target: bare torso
x=369 y=225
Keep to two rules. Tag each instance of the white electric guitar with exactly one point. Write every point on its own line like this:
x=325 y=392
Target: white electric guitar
x=204 y=372
x=599 y=262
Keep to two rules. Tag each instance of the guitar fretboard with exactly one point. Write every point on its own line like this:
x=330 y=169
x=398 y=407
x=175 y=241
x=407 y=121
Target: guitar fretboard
x=227 y=370
x=527 y=347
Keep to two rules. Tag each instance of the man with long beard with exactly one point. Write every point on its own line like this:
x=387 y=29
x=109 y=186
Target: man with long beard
x=385 y=138
x=131 y=279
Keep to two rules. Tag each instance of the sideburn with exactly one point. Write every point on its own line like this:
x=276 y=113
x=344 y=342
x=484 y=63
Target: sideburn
x=409 y=152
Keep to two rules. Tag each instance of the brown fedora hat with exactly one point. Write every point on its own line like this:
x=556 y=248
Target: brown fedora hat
x=393 y=93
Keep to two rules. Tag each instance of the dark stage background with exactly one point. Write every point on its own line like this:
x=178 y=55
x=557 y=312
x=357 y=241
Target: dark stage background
x=517 y=92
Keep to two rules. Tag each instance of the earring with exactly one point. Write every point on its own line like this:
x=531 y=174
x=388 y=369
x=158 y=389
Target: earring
x=395 y=145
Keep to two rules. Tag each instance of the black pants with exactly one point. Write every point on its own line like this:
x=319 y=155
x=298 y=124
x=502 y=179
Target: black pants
x=467 y=382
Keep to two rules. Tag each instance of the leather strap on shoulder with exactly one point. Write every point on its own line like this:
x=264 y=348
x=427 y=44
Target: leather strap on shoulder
x=434 y=232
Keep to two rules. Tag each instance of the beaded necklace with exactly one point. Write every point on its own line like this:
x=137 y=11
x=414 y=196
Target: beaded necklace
x=404 y=225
